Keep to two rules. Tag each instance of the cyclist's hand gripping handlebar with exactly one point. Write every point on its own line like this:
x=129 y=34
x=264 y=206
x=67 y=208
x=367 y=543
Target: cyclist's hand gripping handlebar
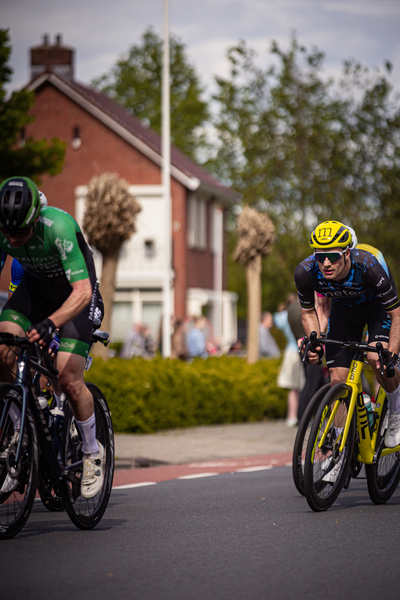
x=387 y=359
x=311 y=345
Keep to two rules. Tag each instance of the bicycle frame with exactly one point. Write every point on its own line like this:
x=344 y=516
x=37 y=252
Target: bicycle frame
x=29 y=398
x=368 y=453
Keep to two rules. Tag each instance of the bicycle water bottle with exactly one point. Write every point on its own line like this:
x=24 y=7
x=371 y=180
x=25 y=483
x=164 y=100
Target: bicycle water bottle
x=44 y=405
x=370 y=410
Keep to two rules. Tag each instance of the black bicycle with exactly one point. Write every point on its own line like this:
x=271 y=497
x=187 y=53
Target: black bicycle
x=29 y=455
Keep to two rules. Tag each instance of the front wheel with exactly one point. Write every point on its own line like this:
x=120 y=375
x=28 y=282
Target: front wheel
x=301 y=441
x=325 y=467
x=87 y=513
x=383 y=477
x=18 y=481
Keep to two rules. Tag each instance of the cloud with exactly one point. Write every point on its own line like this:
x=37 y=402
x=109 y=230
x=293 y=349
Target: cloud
x=101 y=31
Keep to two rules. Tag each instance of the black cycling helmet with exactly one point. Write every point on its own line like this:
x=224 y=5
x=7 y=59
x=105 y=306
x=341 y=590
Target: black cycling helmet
x=19 y=204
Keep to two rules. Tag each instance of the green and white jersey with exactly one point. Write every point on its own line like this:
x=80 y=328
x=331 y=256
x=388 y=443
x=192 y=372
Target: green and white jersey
x=56 y=252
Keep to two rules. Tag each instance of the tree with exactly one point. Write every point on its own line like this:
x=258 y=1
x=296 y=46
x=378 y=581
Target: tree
x=32 y=158
x=305 y=148
x=109 y=220
x=256 y=235
x=135 y=82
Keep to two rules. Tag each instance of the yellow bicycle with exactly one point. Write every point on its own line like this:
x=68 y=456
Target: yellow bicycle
x=342 y=440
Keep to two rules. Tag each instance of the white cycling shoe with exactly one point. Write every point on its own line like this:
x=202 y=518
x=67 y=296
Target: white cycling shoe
x=93 y=473
x=392 y=435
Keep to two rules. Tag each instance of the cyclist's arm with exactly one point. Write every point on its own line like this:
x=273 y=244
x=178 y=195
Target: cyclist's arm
x=79 y=298
x=323 y=311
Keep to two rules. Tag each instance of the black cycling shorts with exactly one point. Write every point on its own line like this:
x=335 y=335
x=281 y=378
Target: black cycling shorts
x=348 y=324
x=33 y=301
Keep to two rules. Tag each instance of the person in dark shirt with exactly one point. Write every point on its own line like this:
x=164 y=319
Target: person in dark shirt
x=361 y=293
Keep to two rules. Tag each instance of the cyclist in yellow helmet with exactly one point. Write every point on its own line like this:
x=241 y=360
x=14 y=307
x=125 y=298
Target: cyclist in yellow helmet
x=360 y=292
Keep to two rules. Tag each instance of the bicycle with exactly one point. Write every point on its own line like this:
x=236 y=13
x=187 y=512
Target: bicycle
x=19 y=454
x=340 y=441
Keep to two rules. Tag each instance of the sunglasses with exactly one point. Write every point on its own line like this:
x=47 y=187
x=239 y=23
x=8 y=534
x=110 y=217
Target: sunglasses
x=331 y=256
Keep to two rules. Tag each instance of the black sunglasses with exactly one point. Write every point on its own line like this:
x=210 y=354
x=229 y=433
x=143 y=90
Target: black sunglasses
x=331 y=256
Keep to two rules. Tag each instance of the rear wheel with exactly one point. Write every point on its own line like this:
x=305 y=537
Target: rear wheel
x=326 y=468
x=87 y=513
x=383 y=477
x=18 y=481
x=301 y=441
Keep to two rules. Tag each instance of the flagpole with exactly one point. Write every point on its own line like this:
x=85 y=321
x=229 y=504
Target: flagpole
x=166 y=183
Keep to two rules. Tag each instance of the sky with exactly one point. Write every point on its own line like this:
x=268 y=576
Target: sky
x=102 y=31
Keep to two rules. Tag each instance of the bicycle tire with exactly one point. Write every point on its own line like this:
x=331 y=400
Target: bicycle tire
x=383 y=477
x=303 y=433
x=16 y=505
x=87 y=513
x=321 y=493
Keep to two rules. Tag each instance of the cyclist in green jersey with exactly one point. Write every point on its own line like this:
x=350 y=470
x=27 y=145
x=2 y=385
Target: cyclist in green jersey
x=57 y=291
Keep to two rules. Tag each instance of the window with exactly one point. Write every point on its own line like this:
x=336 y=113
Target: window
x=197 y=223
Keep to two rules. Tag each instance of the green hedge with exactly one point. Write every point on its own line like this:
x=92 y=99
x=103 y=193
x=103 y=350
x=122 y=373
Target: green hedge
x=149 y=395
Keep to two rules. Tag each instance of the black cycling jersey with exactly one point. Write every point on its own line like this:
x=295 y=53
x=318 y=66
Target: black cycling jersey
x=366 y=282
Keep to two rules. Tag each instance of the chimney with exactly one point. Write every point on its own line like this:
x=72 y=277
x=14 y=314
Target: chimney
x=57 y=59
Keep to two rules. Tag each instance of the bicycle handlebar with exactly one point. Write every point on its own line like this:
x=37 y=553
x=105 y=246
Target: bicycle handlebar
x=37 y=353
x=313 y=342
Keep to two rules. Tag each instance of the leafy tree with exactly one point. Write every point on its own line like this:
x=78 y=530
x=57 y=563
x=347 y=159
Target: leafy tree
x=304 y=149
x=33 y=157
x=135 y=82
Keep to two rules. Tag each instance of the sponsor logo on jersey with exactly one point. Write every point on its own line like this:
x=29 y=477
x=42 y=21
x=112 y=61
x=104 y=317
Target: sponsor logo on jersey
x=381 y=282
x=45 y=221
x=68 y=274
x=64 y=247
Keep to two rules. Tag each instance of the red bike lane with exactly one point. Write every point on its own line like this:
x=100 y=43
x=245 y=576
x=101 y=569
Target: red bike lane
x=150 y=475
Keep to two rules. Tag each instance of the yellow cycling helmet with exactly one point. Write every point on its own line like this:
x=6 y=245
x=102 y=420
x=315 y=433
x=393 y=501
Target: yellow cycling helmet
x=330 y=234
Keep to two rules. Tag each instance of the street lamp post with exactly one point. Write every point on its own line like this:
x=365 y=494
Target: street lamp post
x=166 y=183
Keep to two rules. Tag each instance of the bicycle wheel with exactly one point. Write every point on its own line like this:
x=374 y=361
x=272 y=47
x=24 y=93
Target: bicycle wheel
x=303 y=433
x=383 y=477
x=325 y=468
x=84 y=513
x=17 y=481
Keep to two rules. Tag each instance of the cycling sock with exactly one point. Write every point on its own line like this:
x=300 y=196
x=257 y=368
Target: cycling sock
x=88 y=432
x=394 y=400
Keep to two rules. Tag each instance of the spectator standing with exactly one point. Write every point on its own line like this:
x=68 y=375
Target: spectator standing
x=268 y=346
x=178 y=341
x=291 y=375
x=195 y=338
x=134 y=343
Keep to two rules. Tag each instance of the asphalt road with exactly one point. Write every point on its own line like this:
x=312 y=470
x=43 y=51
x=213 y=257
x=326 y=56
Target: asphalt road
x=238 y=536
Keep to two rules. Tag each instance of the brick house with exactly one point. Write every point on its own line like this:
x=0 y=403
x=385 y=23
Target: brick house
x=102 y=136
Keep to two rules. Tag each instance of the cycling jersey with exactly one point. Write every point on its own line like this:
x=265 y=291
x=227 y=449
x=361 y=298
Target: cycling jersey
x=55 y=256
x=57 y=250
x=366 y=282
